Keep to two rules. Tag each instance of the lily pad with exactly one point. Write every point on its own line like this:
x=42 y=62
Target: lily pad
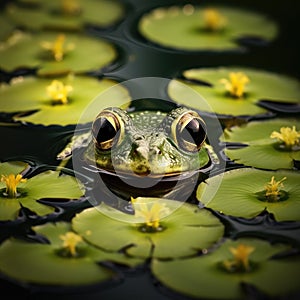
x=39 y=14
x=204 y=277
x=242 y=193
x=34 y=51
x=184 y=28
x=251 y=145
x=262 y=85
x=183 y=232
x=48 y=264
x=6 y=28
x=30 y=94
x=49 y=184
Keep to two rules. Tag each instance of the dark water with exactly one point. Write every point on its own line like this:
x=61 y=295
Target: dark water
x=138 y=58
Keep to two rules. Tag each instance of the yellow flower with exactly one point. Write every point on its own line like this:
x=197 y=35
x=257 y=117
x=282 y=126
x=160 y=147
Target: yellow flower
x=70 y=241
x=240 y=261
x=150 y=212
x=58 y=91
x=213 y=20
x=70 y=7
x=273 y=189
x=11 y=182
x=57 y=47
x=289 y=136
x=236 y=84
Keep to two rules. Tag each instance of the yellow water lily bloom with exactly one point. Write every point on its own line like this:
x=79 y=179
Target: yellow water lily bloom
x=273 y=188
x=289 y=136
x=150 y=212
x=70 y=7
x=236 y=84
x=12 y=182
x=213 y=20
x=240 y=259
x=70 y=241
x=58 y=47
x=58 y=91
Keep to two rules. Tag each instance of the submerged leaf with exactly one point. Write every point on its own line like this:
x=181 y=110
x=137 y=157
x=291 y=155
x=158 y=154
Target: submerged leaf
x=205 y=276
x=242 y=193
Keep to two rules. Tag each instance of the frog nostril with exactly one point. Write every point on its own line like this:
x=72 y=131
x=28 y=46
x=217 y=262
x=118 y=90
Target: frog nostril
x=155 y=150
x=134 y=153
x=138 y=137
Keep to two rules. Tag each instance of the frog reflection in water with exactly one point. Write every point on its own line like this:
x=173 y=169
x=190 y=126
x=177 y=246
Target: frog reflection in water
x=145 y=145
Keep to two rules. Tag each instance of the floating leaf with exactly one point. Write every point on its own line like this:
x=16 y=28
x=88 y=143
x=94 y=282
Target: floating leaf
x=6 y=28
x=50 y=263
x=185 y=28
x=48 y=184
x=183 y=232
x=67 y=15
x=30 y=93
x=30 y=51
x=261 y=150
x=262 y=85
x=242 y=193
x=204 y=277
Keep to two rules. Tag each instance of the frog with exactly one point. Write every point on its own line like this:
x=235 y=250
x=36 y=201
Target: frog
x=139 y=146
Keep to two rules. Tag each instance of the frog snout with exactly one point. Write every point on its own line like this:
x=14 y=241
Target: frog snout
x=140 y=149
x=142 y=154
x=145 y=151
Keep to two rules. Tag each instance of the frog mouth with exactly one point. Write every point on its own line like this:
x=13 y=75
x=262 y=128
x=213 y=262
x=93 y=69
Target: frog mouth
x=148 y=174
x=125 y=185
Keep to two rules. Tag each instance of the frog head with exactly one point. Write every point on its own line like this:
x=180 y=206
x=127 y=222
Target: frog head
x=148 y=143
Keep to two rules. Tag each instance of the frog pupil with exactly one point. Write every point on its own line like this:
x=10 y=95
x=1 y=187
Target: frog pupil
x=194 y=132
x=103 y=130
x=192 y=135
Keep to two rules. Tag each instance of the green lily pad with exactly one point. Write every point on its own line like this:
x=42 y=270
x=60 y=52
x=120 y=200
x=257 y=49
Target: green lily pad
x=6 y=28
x=48 y=184
x=30 y=94
x=183 y=232
x=9 y=208
x=263 y=85
x=242 y=194
x=261 y=151
x=184 y=28
x=39 y=14
x=30 y=51
x=47 y=264
x=203 y=277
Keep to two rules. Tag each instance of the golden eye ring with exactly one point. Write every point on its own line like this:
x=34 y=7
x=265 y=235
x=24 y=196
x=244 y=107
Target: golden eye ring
x=189 y=131
x=106 y=130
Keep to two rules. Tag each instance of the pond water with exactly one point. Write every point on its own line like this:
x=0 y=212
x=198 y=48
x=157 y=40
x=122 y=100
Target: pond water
x=139 y=58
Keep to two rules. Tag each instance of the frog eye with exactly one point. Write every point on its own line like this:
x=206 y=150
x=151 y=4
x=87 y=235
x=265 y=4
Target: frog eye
x=106 y=130
x=189 y=131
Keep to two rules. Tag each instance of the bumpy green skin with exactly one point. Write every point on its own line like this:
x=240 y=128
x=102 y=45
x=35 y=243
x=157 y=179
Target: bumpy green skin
x=147 y=148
